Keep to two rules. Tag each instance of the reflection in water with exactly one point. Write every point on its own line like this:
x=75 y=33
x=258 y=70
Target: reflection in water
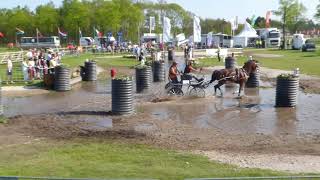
x=286 y=119
x=254 y=113
x=85 y=96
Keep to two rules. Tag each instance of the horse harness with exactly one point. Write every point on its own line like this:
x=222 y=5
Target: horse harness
x=237 y=75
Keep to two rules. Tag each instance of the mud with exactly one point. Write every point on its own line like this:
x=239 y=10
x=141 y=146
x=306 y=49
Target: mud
x=247 y=125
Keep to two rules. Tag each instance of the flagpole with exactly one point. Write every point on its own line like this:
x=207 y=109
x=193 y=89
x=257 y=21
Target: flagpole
x=37 y=37
x=150 y=25
x=16 y=39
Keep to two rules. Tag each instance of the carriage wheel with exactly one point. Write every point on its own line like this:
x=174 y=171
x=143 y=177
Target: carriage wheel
x=197 y=92
x=175 y=92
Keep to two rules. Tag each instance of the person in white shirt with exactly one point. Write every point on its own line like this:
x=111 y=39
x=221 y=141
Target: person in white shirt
x=25 y=70
x=29 y=54
x=9 y=70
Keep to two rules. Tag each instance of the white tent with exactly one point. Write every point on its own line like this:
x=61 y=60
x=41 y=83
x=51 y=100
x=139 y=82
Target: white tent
x=247 y=33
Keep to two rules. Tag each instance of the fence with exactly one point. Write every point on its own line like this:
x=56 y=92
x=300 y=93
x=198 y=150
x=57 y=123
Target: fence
x=15 y=57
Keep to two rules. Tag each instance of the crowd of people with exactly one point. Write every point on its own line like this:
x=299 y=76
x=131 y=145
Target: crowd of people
x=35 y=65
x=39 y=63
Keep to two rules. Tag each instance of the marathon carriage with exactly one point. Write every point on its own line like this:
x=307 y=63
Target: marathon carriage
x=194 y=87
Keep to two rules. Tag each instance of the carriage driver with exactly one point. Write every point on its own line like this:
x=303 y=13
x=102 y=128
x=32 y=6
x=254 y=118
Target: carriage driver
x=174 y=72
x=188 y=72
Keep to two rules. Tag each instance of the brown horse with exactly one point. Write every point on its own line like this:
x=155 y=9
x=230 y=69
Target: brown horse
x=238 y=75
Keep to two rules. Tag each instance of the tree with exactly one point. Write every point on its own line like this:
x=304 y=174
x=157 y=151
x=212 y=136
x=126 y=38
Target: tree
x=317 y=15
x=47 y=18
x=75 y=15
x=290 y=12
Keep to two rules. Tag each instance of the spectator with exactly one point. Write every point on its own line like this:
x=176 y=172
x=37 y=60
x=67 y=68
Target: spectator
x=24 y=65
x=31 y=69
x=9 y=70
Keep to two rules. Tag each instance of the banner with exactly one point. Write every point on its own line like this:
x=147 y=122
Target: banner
x=253 y=20
x=181 y=39
x=152 y=23
x=209 y=39
x=234 y=23
x=166 y=29
x=196 y=29
x=80 y=33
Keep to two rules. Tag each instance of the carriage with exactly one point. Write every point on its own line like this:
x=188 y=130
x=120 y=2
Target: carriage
x=193 y=87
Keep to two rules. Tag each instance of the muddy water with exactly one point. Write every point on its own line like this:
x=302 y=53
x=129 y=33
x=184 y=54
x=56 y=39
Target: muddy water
x=89 y=96
x=254 y=113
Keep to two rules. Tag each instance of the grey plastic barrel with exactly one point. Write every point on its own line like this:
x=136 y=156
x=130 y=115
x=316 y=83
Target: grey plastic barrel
x=287 y=92
x=62 y=79
x=230 y=63
x=90 y=71
x=159 y=71
x=170 y=55
x=253 y=80
x=122 y=97
x=143 y=78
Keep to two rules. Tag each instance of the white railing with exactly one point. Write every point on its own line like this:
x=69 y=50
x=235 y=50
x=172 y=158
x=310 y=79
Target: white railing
x=15 y=56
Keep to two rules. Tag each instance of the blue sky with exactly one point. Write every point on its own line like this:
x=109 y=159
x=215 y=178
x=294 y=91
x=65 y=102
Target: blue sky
x=205 y=8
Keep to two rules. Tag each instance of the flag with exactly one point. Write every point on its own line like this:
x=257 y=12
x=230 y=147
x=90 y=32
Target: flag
x=152 y=23
x=80 y=33
x=253 y=20
x=19 y=31
x=63 y=34
x=268 y=18
x=166 y=29
x=1 y=35
x=39 y=33
x=209 y=39
x=97 y=33
x=196 y=29
x=234 y=23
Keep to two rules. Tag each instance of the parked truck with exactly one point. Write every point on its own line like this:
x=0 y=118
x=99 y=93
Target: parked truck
x=270 y=37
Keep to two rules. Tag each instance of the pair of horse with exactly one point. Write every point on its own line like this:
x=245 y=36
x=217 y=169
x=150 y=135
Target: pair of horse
x=237 y=75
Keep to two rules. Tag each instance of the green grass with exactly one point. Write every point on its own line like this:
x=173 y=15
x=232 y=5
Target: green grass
x=104 y=62
x=110 y=159
x=308 y=62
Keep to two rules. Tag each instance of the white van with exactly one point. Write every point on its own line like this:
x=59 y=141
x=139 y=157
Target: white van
x=298 y=41
x=86 y=41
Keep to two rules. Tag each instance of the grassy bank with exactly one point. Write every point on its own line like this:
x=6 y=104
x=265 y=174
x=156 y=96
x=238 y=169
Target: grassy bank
x=112 y=159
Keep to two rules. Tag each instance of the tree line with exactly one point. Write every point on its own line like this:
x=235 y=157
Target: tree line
x=129 y=17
